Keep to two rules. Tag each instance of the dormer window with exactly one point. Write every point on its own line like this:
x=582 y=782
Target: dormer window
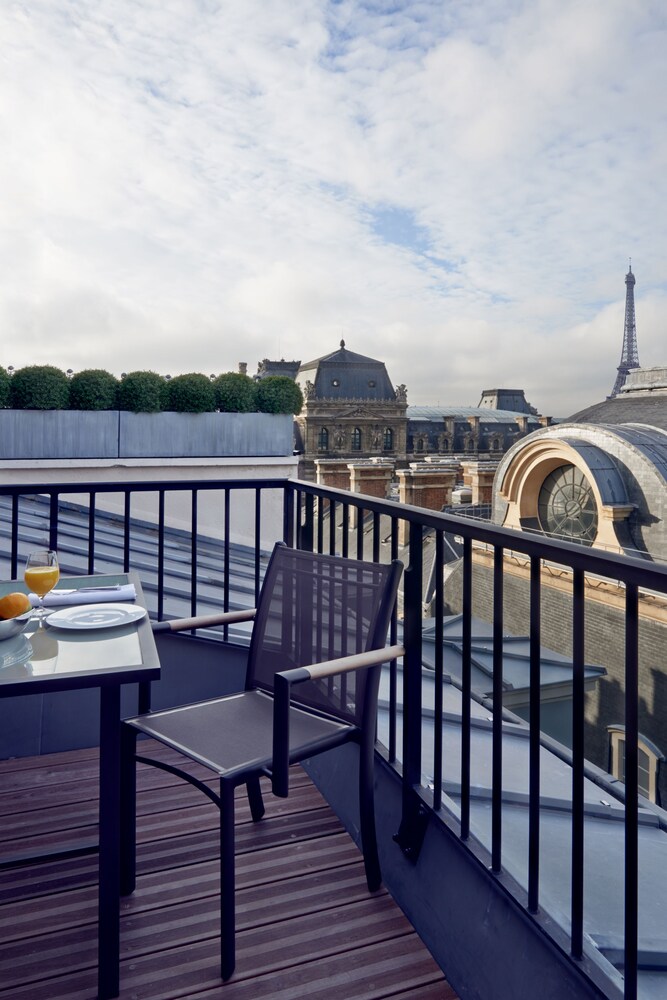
x=371 y=383
x=648 y=763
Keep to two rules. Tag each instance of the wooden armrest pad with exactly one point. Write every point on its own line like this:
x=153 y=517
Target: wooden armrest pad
x=205 y=621
x=342 y=665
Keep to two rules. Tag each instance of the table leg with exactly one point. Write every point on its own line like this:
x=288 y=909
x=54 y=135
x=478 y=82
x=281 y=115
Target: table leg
x=109 y=867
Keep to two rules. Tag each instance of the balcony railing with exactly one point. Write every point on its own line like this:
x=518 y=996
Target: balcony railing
x=261 y=511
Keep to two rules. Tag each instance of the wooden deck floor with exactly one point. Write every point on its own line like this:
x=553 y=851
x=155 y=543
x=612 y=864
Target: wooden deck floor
x=307 y=924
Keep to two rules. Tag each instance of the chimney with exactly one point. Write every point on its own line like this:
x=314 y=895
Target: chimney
x=243 y=367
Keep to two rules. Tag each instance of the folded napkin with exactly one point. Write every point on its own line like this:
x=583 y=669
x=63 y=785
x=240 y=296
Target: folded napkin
x=86 y=595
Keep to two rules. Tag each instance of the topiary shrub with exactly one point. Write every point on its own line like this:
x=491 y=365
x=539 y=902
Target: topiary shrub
x=278 y=394
x=39 y=387
x=93 y=389
x=191 y=393
x=142 y=392
x=235 y=393
x=5 y=381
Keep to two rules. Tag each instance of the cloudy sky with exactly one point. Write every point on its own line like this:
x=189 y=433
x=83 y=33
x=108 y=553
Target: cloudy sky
x=453 y=186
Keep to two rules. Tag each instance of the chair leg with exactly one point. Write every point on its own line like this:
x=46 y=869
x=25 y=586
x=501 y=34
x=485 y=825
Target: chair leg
x=367 y=818
x=227 y=878
x=255 y=799
x=128 y=811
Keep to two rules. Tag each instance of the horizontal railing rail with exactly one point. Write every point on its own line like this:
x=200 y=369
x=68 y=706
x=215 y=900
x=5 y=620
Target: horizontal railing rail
x=431 y=543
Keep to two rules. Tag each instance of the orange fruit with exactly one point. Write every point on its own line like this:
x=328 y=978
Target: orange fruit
x=14 y=604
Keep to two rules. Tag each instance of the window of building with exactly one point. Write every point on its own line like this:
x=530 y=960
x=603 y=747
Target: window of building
x=388 y=442
x=371 y=383
x=420 y=444
x=335 y=381
x=649 y=760
x=323 y=439
x=356 y=439
x=566 y=506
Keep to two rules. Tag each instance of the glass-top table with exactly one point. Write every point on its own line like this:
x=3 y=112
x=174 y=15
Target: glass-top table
x=44 y=659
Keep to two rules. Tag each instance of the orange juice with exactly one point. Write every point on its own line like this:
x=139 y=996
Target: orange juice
x=41 y=579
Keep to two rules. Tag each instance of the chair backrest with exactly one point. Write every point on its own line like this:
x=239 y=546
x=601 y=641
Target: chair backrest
x=319 y=607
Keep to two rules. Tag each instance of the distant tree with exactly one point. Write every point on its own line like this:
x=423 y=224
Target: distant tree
x=5 y=381
x=278 y=394
x=235 y=393
x=142 y=392
x=39 y=387
x=191 y=393
x=93 y=389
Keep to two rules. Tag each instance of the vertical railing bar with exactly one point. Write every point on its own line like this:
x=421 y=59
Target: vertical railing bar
x=393 y=667
x=360 y=532
x=466 y=688
x=288 y=515
x=412 y=667
x=91 y=532
x=631 y=789
x=160 y=556
x=345 y=528
x=534 y=737
x=258 y=540
x=126 y=532
x=53 y=520
x=577 y=864
x=333 y=507
x=14 y=566
x=438 y=678
x=497 y=724
x=376 y=536
x=193 y=554
x=225 y=561
x=320 y=523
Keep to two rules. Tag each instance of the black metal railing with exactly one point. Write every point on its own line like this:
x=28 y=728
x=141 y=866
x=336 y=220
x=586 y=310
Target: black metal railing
x=321 y=519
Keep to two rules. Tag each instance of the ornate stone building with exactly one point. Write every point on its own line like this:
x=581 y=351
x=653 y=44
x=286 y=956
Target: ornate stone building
x=351 y=411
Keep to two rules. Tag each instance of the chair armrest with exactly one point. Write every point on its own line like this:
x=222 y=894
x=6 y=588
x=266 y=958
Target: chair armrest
x=205 y=621
x=282 y=689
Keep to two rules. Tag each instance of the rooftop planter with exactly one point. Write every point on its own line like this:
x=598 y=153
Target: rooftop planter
x=93 y=415
x=112 y=434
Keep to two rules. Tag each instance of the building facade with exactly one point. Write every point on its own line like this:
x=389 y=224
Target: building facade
x=351 y=411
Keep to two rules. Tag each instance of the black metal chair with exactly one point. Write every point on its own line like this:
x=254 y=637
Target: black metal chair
x=314 y=663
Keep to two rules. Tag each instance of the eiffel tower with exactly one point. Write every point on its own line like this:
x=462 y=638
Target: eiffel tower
x=629 y=354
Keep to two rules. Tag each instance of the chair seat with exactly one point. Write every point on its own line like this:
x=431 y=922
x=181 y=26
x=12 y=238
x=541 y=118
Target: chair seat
x=235 y=733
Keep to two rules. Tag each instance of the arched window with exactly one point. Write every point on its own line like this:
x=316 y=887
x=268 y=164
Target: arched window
x=420 y=444
x=388 y=443
x=356 y=439
x=323 y=439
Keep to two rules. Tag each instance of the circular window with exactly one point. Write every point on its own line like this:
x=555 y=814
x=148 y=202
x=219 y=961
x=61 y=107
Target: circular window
x=566 y=506
x=335 y=381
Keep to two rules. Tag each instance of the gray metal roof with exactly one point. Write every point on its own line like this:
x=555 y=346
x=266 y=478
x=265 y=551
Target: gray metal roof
x=346 y=375
x=639 y=408
x=486 y=414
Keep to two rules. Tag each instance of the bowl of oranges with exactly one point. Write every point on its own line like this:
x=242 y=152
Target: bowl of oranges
x=15 y=613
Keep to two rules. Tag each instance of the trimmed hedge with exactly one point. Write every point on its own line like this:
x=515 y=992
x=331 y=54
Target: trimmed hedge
x=142 y=392
x=43 y=387
x=191 y=393
x=93 y=389
x=39 y=387
x=235 y=393
x=5 y=383
x=278 y=394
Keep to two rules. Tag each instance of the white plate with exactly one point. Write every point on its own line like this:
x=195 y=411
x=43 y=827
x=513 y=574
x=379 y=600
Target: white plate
x=96 y=616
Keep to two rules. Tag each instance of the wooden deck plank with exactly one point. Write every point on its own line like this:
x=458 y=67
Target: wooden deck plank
x=307 y=924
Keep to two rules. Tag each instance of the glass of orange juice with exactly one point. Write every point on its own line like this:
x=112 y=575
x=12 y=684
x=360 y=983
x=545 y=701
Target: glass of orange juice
x=41 y=575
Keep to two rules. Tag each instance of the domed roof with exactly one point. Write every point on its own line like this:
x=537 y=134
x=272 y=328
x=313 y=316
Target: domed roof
x=642 y=400
x=345 y=375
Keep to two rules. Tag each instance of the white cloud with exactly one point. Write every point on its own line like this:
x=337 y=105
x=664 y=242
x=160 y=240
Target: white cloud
x=189 y=184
